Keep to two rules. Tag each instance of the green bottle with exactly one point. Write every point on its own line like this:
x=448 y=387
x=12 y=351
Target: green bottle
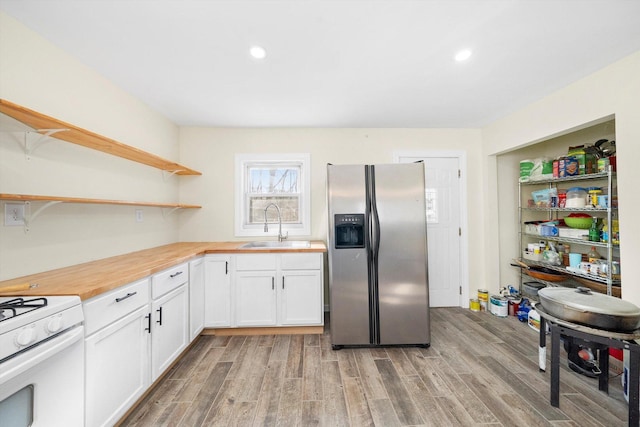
x=594 y=232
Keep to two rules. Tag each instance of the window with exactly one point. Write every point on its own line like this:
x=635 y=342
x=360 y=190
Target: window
x=265 y=179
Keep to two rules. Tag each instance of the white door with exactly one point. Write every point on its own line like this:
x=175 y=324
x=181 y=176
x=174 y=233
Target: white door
x=444 y=242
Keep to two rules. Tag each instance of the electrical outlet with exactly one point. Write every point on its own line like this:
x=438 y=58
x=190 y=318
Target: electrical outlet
x=139 y=216
x=13 y=214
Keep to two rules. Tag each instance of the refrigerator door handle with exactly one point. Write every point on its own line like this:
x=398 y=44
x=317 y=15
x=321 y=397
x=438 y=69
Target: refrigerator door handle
x=374 y=249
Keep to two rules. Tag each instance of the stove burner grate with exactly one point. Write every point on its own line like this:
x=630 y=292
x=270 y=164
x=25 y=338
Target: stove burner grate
x=18 y=306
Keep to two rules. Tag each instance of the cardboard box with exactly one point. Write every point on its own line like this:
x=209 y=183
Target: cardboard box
x=572 y=233
x=587 y=163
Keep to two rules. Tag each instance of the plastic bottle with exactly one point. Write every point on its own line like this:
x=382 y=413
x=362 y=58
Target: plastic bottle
x=593 y=255
x=594 y=232
x=604 y=234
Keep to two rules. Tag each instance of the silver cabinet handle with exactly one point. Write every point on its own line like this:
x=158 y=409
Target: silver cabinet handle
x=129 y=295
x=175 y=274
x=273 y=283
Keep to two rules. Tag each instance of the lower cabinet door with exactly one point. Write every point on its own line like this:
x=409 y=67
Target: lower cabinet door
x=170 y=329
x=255 y=298
x=301 y=298
x=117 y=368
x=217 y=291
x=196 y=298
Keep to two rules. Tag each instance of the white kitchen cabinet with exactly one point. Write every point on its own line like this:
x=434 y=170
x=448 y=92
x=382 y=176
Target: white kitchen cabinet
x=301 y=290
x=117 y=348
x=301 y=298
x=170 y=315
x=256 y=298
x=279 y=289
x=217 y=291
x=196 y=297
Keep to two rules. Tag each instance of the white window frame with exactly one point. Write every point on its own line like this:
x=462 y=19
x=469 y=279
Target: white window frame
x=243 y=161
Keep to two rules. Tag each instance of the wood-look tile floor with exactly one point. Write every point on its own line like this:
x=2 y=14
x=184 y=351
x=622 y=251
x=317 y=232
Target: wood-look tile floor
x=479 y=370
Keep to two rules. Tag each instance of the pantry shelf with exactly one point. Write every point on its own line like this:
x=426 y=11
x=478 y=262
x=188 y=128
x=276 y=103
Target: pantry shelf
x=598 y=175
x=608 y=283
x=572 y=241
x=58 y=129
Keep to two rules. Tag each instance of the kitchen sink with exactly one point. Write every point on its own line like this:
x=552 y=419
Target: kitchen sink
x=285 y=244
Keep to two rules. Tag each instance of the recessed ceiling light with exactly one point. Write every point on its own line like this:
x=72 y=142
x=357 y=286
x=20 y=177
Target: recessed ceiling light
x=258 y=52
x=463 y=55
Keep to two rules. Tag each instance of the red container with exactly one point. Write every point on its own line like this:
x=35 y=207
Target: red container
x=562 y=199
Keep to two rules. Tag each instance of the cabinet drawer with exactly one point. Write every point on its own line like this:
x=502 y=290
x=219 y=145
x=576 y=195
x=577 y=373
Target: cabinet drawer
x=105 y=309
x=169 y=279
x=301 y=261
x=258 y=262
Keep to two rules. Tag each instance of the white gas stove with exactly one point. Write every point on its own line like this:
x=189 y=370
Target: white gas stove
x=27 y=321
x=41 y=350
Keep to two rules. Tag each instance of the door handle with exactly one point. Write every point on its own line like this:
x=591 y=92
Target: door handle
x=159 y=321
x=226 y=267
x=148 y=328
x=282 y=282
x=128 y=295
x=273 y=283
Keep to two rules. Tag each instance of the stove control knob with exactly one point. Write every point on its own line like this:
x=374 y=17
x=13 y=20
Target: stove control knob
x=54 y=325
x=26 y=336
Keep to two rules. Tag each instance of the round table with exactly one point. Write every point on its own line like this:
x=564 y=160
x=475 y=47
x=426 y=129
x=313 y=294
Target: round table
x=606 y=339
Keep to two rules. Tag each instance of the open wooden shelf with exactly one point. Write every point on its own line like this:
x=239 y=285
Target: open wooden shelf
x=75 y=135
x=34 y=198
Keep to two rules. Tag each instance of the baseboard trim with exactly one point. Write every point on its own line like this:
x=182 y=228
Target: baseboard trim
x=280 y=330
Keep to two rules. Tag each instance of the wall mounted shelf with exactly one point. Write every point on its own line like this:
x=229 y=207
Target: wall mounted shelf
x=53 y=200
x=58 y=129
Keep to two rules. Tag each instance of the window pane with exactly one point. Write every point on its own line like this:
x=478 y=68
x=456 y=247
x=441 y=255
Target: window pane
x=432 y=205
x=265 y=179
x=289 y=209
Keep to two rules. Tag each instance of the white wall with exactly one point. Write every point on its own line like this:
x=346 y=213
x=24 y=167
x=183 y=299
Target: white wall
x=39 y=76
x=613 y=91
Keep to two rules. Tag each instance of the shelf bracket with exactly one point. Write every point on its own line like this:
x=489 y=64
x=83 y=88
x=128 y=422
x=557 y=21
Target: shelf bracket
x=29 y=217
x=34 y=139
x=168 y=174
x=168 y=211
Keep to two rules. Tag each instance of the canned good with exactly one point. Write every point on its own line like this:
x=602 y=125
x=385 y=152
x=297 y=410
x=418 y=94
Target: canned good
x=615 y=269
x=603 y=164
x=483 y=297
x=514 y=303
x=499 y=306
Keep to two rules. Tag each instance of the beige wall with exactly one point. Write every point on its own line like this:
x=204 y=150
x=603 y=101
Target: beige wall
x=38 y=75
x=213 y=152
x=613 y=91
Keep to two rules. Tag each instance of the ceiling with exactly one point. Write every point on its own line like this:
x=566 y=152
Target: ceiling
x=337 y=63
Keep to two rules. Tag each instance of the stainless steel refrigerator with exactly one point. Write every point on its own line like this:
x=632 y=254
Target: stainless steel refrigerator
x=378 y=277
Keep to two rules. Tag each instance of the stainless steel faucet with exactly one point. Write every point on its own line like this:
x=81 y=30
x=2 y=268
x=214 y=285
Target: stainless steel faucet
x=266 y=227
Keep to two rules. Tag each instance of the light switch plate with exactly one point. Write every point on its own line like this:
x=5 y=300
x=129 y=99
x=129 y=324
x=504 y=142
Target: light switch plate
x=13 y=214
x=139 y=215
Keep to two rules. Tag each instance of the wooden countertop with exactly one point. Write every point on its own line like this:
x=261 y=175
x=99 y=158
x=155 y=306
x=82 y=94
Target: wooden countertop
x=96 y=277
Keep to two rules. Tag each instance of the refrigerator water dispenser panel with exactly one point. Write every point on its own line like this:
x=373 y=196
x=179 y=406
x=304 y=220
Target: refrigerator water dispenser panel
x=349 y=231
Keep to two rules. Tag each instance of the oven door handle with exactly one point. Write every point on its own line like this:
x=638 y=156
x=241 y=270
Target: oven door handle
x=31 y=357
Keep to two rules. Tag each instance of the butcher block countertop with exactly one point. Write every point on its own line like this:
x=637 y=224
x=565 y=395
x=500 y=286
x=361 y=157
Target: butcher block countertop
x=96 y=277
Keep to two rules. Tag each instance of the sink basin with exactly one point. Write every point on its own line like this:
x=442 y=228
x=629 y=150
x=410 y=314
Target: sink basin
x=286 y=244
